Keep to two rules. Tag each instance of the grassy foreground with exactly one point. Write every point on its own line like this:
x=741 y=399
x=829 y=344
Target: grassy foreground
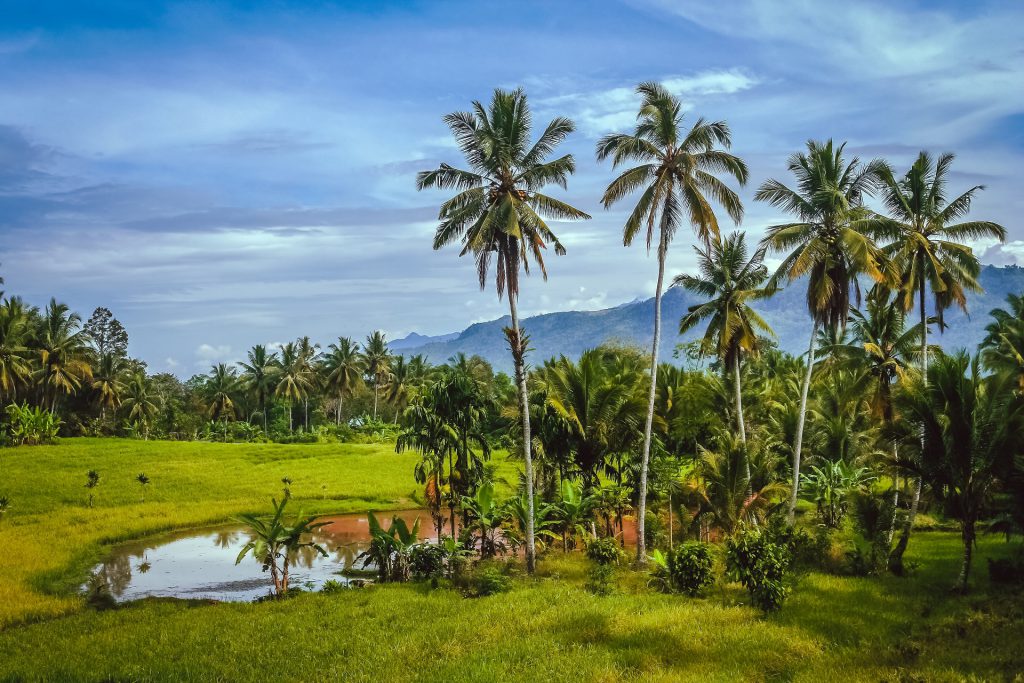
x=549 y=628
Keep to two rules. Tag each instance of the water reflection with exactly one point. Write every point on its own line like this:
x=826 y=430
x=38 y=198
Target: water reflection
x=201 y=563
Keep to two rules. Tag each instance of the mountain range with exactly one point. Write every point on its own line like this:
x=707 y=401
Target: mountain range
x=571 y=332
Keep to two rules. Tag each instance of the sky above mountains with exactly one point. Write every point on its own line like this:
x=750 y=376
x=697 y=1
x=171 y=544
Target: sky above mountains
x=221 y=175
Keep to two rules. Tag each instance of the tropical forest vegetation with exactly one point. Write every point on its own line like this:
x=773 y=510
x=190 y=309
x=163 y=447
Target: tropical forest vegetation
x=734 y=511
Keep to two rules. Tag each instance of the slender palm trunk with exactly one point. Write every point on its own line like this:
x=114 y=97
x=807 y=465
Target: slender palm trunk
x=896 y=556
x=670 y=524
x=799 y=442
x=291 y=424
x=305 y=416
x=524 y=408
x=374 y=400
x=337 y=412
x=740 y=422
x=641 y=512
x=965 y=568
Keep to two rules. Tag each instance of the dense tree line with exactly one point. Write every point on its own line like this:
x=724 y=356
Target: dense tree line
x=871 y=419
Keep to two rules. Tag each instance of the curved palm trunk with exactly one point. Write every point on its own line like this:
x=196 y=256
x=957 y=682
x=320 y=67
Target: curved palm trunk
x=524 y=408
x=740 y=422
x=799 y=442
x=641 y=512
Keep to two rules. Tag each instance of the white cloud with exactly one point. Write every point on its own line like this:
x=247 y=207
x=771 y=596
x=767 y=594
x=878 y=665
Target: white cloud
x=611 y=109
x=213 y=353
x=1008 y=254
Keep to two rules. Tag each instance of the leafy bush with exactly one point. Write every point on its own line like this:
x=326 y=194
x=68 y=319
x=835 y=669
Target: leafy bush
x=32 y=426
x=599 y=579
x=5 y=505
x=760 y=564
x=489 y=580
x=427 y=561
x=604 y=551
x=691 y=567
x=333 y=586
x=809 y=551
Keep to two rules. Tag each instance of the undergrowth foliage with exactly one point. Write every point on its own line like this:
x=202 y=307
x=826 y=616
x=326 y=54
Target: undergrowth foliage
x=761 y=565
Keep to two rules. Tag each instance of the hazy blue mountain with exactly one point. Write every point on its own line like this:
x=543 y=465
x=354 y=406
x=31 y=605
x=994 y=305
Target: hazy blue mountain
x=414 y=341
x=571 y=332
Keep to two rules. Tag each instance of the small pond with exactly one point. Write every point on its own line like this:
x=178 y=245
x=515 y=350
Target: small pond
x=200 y=563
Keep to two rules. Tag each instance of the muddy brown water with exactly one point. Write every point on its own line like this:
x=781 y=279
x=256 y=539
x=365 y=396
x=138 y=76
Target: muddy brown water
x=200 y=563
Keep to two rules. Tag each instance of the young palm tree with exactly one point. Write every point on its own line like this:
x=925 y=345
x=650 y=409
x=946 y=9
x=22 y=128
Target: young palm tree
x=376 y=362
x=828 y=243
x=499 y=214
x=15 y=369
x=732 y=280
x=141 y=409
x=596 y=407
x=258 y=375
x=677 y=173
x=961 y=429
x=1003 y=347
x=342 y=369
x=927 y=252
x=63 y=346
x=221 y=390
x=106 y=382
x=292 y=381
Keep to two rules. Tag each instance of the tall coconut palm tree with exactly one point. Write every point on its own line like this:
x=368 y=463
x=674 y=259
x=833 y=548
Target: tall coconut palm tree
x=342 y=368
x=259 y=376
x=732 y=280
x=927 y=251
x=137 y=402
x=926 y=247
x=828 y=243
x=677 y=174
x=308 y=355
x=63 y=348
x=292 y=380
x=376 y=362
x=498 y=214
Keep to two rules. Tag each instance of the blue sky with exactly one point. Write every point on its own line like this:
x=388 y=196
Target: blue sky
x=221 y=175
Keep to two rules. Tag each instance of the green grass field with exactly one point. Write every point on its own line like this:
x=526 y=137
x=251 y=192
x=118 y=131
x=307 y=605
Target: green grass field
x=549 y=628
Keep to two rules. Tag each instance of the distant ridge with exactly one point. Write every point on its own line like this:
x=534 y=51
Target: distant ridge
x=569 y=333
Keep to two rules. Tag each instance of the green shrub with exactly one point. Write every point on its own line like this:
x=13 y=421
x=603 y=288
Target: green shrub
x=691 y=567
x=32 y=426
x=5 y=505
x=604 y=551
x=761 y=565
x=599 y=579
x=427 y=561
x=488 y=580
x=809 y=551
x=333 y=586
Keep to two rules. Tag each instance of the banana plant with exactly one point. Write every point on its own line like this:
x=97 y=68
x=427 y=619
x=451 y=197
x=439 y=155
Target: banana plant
x=573 y=512
x=487 y=515
x=517 y=510
x=389 y=548
x=275 y=542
